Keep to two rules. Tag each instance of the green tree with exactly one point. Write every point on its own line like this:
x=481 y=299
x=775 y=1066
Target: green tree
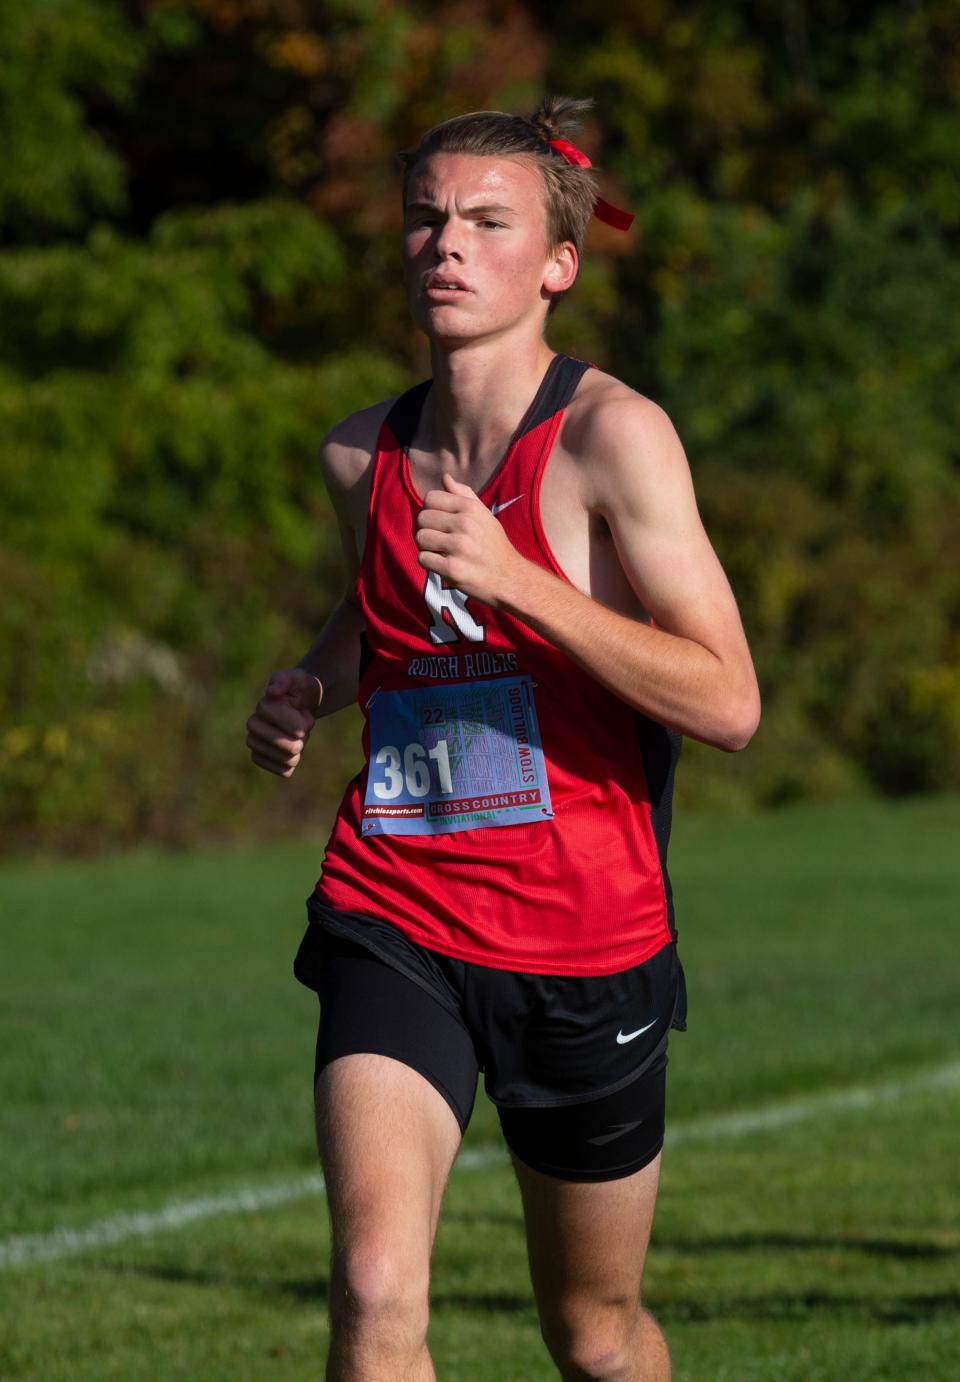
x=199 y=217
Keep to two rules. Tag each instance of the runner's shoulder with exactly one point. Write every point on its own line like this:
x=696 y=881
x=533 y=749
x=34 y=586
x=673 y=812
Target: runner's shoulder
x=347 y=450
x=616 y=434
x=605 y=409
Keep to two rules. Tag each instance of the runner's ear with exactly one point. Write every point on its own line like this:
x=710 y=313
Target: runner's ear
x=564 y=268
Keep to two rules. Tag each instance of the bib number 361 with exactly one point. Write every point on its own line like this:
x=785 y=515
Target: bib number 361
x=461 y=756
x=411 y=768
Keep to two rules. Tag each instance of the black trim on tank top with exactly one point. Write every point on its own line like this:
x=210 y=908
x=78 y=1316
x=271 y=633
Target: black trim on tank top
x=557 y=387
x=660 y=750
x=403 y=417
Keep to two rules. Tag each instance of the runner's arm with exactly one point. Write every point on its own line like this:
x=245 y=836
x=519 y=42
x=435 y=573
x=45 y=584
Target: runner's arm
x=334 y=658
x=693 y=672
x=325 y=679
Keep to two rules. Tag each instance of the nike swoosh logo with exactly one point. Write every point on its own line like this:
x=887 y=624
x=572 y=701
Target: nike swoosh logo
x=499 y=508
x=622 y=1039
x=617 y=1132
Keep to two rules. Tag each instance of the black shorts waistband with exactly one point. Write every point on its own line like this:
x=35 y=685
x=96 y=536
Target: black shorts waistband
x=542 y=1041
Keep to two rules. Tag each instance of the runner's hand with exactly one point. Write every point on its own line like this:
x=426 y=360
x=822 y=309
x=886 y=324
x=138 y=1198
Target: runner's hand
x=460 y=539
x=279 y=728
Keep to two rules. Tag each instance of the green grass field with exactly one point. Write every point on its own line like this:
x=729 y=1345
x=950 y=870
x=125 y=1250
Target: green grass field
x=156 y=1051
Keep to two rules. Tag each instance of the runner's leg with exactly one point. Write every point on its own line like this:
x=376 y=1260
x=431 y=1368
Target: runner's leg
x=387 y=1141
x=395 y=1077
x=587 y=1243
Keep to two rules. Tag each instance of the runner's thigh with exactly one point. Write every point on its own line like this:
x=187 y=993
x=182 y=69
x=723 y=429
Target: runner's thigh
x=587 y=1240
x=394 y=1089
x=387 y=1141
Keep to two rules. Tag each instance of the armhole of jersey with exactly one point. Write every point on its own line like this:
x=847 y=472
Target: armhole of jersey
x=537 y=522
x=567 y=385
x=393 y=436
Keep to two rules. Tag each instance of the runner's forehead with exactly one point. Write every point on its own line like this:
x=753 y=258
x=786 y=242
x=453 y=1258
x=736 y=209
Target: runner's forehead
x=485 y=180
x=429 y=202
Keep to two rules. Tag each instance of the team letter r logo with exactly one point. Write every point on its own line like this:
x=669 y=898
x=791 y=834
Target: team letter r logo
x=451 y=618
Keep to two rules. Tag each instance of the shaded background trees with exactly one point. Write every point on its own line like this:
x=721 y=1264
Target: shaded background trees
x=199 y=273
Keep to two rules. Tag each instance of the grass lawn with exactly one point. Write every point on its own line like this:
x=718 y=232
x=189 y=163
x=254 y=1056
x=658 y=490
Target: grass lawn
x=156 y=1050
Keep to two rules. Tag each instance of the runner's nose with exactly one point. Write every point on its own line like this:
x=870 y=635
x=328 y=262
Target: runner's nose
x=449 y=241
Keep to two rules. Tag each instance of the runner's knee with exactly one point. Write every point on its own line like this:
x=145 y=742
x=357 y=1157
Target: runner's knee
x=590 y=1339
x=380 y=1289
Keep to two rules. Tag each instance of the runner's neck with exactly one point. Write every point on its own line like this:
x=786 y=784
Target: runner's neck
x=477 y=400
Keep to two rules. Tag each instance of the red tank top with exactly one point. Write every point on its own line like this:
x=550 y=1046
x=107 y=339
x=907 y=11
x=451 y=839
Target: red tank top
x=455 y=695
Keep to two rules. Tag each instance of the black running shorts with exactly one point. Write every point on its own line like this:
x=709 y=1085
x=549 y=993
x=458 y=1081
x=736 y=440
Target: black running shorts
x=575 y=1065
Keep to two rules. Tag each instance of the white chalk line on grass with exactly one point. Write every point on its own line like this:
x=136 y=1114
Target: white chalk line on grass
x=847 y=1100
x=119 y=1228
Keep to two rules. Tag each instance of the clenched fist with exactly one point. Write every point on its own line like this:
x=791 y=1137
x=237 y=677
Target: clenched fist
x=279 y=728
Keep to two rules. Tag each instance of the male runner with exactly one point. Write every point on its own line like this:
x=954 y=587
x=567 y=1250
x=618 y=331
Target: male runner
x=533 y=616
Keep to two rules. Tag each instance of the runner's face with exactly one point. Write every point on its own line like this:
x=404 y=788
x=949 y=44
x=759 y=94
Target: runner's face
x=481 y=223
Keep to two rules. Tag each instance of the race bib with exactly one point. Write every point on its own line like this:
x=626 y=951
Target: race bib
x=455 y=757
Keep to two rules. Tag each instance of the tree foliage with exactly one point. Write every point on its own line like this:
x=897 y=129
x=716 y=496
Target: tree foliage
x=199 y=215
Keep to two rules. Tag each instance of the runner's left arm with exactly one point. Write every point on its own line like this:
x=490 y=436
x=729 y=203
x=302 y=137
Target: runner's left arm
x=693 y=671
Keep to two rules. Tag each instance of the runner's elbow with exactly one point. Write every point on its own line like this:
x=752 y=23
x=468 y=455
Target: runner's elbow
x=740 y=721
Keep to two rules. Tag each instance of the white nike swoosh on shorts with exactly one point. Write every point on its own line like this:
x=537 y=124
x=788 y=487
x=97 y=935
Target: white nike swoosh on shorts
x=621 y=1039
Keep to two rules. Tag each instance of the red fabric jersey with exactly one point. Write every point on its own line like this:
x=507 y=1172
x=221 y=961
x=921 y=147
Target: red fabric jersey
x=582 y=892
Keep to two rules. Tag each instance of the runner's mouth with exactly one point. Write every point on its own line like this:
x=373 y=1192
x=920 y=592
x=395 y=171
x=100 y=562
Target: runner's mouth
x=445 y=286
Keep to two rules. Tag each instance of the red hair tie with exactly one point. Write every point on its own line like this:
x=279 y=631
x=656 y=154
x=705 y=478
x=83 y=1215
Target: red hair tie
x=602 y=209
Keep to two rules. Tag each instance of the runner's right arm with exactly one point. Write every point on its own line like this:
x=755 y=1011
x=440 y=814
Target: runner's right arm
x=325 y=679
